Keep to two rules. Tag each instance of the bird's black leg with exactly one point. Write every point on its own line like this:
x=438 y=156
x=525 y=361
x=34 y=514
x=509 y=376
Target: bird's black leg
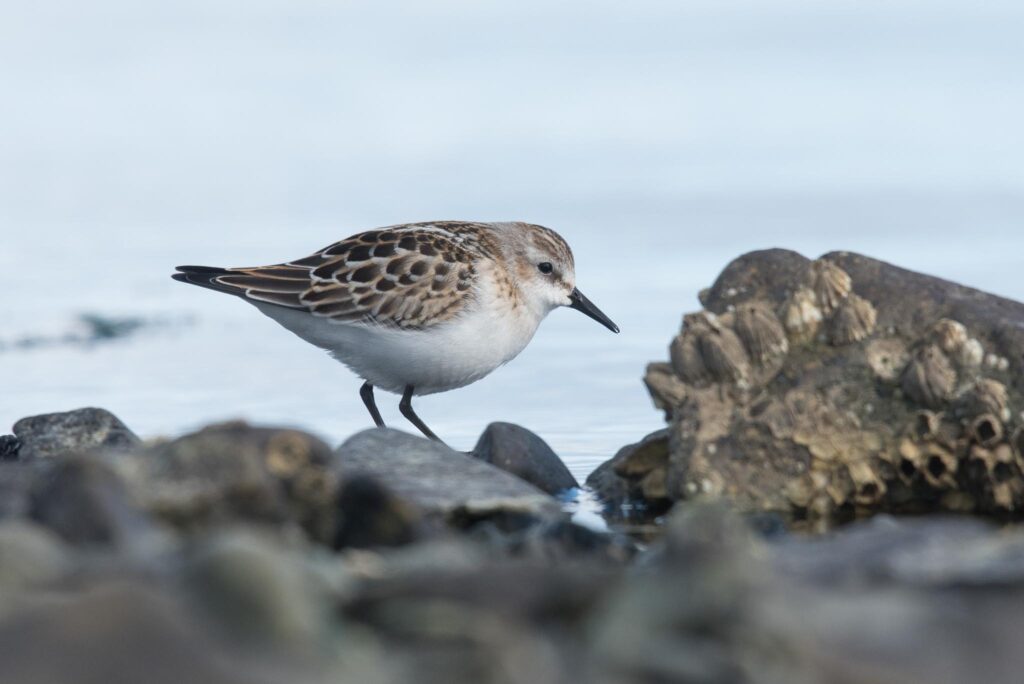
x=366 y=392
x=405 y=406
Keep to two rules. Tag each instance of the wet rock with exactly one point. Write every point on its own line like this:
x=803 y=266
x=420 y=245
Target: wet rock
x=84 y=501
x=233 y=471
x=516 y=450
x=633 y=481
x=440 y=482
x=832 y=428
x=82 y=430
x=370 y=516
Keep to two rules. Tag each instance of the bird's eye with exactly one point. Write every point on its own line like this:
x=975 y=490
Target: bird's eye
x=545 y=267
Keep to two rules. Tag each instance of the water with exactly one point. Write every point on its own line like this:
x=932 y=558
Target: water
x=661 y=138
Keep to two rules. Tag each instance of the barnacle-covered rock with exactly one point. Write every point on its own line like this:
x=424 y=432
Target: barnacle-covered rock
x=832 y=429
x=853 y=321
x=724 y=355
x=929 y=378
x=801 y=316
x=831 y=284
x=760 y=331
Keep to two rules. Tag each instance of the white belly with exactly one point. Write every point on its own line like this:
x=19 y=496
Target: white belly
x=444 y=357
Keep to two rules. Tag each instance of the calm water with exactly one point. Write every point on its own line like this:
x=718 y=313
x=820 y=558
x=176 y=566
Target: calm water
x=661 y=138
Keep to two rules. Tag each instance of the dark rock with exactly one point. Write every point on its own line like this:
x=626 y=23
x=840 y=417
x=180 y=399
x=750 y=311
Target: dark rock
x=870 y=404
x=522 y=453
x=85 y=502
x=440 y=482
x=233 y=472
x=369 y=515
x=9 y=447
x=79 y=431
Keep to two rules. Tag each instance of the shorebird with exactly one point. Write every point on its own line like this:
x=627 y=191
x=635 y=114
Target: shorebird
x=416 y=308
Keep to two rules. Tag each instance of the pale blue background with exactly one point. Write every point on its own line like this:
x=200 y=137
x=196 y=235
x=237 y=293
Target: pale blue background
x=661 y=138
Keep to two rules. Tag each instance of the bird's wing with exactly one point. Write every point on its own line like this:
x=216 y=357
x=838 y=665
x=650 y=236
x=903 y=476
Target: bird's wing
x=410 y=277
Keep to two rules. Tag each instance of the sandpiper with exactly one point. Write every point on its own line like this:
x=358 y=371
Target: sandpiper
x=416 y=308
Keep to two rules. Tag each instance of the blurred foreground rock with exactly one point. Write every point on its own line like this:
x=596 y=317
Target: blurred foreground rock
x=834 y=388
x=212 y=559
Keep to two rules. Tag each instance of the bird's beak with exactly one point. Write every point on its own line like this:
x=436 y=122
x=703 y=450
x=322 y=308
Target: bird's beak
x=581 y=303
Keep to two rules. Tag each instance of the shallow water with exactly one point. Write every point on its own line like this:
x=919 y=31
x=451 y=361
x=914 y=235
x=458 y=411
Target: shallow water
x=662 y=139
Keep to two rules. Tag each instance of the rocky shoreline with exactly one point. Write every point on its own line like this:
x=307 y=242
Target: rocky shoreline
x=807 y=403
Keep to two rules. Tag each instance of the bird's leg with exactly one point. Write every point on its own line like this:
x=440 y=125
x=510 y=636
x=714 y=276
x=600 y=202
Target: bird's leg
x=405 y=406
x=366 y=392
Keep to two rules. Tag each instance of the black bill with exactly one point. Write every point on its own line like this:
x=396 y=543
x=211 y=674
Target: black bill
x=581 y=303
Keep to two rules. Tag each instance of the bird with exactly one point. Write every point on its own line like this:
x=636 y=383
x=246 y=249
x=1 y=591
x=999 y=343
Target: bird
x=416 y=308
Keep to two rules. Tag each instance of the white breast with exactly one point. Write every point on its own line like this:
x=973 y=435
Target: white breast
x=443 y=357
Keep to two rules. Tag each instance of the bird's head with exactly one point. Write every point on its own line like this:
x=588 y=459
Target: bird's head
x=545 y=272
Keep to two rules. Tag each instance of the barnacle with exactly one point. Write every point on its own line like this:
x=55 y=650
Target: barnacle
x=854 y=320
x=760 y=331
x=831 y=284
x=939 y=466
x=950 y=335
x=986 y=396
x=929 y=378
x=686 y=359
x=724 y=355
x=868 y=488
x=971 y=354
x=926 y=424
x=998 y=472
x=801 y=316
x=986 y=430
x=908 y=465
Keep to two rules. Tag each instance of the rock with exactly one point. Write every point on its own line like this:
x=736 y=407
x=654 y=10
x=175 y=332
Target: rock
x=929 y=552
x=9 y=447
x=369 y=516
x=829 y=426
x=231 y=472
x=516 y=450
x=440 y=482
x=82 y=430
x=30 y=556
x=84 y=501
x=689 y=616
x=632 y=483
x=257 y=590
x=127 y=632
x=16 y=481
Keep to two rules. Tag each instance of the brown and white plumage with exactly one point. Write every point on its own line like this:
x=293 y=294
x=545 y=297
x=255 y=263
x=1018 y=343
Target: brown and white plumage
x=416 y=308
